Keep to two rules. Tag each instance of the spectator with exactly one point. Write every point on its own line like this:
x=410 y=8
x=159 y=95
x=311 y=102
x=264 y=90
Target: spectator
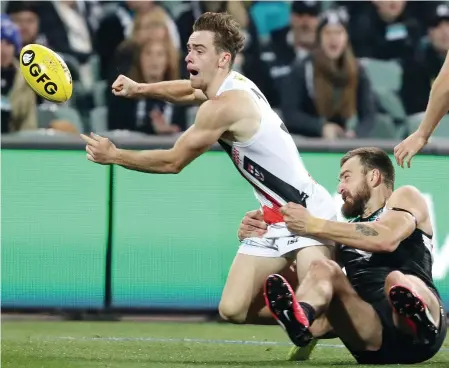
x=18 y=102
x=385 y=31
x=26 y=16
x=69 y=27
x=150 y=25
x=329 y=88
x=420 y=71
x=154 y=61
x=117 y=26
x=293 y=42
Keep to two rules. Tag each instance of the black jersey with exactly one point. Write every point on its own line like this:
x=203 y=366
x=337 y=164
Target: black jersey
x=367 y=271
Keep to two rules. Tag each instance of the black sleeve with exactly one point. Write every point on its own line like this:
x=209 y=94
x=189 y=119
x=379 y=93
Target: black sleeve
x=109 y=35
x=415 y=88
x=366 y=105
x=293 y=94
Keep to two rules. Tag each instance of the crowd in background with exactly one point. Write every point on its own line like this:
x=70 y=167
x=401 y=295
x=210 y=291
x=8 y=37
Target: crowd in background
x=328 y=68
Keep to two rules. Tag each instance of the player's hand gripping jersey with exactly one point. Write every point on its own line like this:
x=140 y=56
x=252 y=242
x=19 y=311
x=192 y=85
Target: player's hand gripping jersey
x=270 y=162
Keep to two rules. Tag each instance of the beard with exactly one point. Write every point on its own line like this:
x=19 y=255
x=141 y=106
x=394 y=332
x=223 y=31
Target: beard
x=355 y=204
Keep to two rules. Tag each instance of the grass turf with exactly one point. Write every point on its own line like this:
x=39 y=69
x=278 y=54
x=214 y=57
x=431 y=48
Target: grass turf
x=157 y=344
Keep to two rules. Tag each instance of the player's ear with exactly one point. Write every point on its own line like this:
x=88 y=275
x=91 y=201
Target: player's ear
x=225 y=59
x=375 y=177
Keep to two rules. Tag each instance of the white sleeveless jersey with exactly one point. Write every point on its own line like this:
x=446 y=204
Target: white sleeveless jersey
x=271 y=163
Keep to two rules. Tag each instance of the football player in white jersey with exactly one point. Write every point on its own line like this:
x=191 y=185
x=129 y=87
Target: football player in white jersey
x=235 y=113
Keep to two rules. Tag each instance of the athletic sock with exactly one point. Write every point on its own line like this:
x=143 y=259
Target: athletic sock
x=309 y=311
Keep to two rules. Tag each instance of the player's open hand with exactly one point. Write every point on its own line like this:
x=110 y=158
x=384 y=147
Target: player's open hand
x=125 y=87
x=252 y=225
x=408 y=148
x=99 y=149
x=297 y=218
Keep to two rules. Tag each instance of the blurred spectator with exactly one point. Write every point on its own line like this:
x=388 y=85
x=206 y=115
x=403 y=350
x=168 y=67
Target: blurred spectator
x=385 y=31
x=154 y=61
x=117 y=26
x=150 y=25
x=421 y=11
x=420 y=71
x=18 y=102
x=293 y=42
x=26 y=16
x=329 y=88
x=69 y=27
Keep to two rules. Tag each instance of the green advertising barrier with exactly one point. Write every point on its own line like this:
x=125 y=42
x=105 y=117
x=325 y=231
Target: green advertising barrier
x=174 y=236
x=54 y=227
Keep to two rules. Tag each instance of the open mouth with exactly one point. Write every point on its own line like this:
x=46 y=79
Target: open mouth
x=194 y=72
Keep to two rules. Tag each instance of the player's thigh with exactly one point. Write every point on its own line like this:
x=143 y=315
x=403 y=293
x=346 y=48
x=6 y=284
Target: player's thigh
x=248 y=272
x=355 y=321
x=306 y=255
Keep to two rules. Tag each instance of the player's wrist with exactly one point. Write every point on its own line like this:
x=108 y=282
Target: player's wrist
x=116 y=157
x=315 y=226
x=423 y=133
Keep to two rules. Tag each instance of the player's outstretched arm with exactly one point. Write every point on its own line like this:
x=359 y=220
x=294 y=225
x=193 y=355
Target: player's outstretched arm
x=437 y=107
x=210 y=124
x=380 y=236
x=177 y=91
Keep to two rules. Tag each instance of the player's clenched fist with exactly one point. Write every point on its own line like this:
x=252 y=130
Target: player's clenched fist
x=125 y=87
x=99 y=149
x=252 y=225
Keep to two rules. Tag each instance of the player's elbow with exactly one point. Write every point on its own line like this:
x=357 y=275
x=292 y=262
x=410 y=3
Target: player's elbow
x=174 y=168
x=386 y=245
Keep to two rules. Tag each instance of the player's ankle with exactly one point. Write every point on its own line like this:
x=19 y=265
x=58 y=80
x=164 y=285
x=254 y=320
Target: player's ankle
x=309 y=311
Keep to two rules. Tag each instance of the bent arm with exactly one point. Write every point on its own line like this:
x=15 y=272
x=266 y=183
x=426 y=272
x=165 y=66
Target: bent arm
x=438 y=104
x=211 y=122
x=177 y=91
x=379 y=236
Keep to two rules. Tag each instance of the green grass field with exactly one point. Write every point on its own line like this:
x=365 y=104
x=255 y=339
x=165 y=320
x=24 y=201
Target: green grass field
x=161 y=344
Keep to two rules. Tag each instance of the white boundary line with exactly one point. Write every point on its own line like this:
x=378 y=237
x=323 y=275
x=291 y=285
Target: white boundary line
x=200 y=341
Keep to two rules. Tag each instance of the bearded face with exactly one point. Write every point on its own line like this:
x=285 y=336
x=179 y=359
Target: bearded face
x=355 y=200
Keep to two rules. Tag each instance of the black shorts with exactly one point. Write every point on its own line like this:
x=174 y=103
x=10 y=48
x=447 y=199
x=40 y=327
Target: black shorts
x=397 y=347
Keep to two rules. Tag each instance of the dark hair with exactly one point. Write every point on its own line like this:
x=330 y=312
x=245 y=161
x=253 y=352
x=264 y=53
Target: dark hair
x=329 y=76
x=227 y=36
x=373 y=158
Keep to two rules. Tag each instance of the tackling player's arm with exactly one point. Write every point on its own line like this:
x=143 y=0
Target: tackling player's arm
x=406 y=210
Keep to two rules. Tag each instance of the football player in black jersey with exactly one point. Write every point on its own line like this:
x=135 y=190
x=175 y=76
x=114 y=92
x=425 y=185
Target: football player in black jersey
x=386 y=309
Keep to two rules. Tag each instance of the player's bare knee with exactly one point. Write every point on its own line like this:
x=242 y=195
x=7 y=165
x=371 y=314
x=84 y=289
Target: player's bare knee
x=326 y=268
x=232 y=312
x=393 y=278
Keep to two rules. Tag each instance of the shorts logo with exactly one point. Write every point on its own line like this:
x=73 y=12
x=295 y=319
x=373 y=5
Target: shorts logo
x=28 y=57
x=293 y=241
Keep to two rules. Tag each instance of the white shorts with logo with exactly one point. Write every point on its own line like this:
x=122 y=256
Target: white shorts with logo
x=278 y=241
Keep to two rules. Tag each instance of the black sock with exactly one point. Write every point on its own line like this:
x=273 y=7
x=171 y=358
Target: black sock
x=309 y=311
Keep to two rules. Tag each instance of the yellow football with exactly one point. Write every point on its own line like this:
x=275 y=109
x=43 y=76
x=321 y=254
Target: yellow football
x=46 y=73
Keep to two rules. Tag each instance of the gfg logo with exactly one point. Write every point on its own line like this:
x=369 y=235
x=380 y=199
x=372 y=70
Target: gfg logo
x=28 y=57
x=50 y=87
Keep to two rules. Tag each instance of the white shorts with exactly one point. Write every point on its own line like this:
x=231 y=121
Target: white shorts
x=280 y=242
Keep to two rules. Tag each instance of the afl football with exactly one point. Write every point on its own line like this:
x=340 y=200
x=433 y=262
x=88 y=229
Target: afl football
x=46 y=73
